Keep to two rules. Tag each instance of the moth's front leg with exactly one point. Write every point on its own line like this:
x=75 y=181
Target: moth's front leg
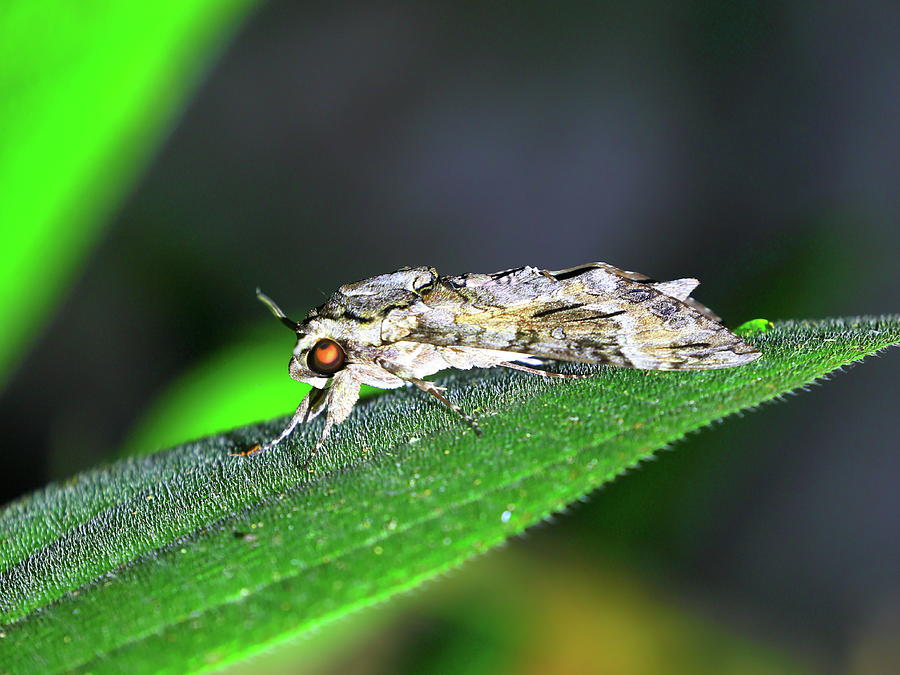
x=342 y=396
x=309 y=407
x=339 y=400
x=430 y=388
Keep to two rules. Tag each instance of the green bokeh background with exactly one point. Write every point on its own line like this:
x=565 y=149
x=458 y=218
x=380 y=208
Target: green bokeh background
x=159 y=162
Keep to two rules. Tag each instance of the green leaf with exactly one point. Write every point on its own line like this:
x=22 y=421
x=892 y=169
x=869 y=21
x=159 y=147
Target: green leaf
x=189 y=559
x=86 y=92
x=753 y=327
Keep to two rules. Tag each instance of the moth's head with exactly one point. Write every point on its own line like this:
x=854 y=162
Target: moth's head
x=317 y=358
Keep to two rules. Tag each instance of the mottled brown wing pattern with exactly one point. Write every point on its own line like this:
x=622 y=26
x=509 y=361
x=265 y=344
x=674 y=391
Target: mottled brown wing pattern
x=678 y=288
x=593 y=313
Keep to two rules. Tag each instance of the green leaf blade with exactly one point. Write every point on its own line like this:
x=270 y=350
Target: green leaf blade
x=187 y=559
x=87 y=91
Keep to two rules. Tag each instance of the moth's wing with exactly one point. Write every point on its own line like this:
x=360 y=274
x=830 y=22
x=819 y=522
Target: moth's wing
x=677 y=288
x=594 y=313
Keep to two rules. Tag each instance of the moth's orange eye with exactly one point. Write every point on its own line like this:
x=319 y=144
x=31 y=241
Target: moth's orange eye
x=326 y=357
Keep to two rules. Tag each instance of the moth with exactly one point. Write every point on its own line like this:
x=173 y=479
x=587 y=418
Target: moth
x=396 y=329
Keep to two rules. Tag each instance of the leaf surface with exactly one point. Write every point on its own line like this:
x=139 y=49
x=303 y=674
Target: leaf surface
x=189 y=559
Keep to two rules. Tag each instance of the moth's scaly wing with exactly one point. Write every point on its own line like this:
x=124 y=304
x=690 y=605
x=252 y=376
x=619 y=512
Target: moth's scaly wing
x=594 y=313
x=678 y=288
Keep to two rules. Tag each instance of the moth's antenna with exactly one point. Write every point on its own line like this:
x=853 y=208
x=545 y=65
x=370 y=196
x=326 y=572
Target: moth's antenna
x=276 y=310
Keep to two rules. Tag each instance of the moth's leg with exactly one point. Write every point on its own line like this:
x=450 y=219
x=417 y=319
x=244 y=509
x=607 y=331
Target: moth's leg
x=342 y=396
x=309 y=407
x=434 y=390
x=545 y=373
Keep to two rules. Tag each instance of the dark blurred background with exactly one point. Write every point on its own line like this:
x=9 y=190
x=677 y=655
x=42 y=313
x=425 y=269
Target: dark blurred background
x=753 y=145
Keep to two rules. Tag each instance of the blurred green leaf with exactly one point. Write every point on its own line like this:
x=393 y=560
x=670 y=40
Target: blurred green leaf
x=86 y=92
x=560 y=612
x=189 y=559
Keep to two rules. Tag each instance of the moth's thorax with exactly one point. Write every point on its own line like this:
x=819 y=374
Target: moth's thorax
x=353 y=317
x=370 y=300
x=419 y=360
